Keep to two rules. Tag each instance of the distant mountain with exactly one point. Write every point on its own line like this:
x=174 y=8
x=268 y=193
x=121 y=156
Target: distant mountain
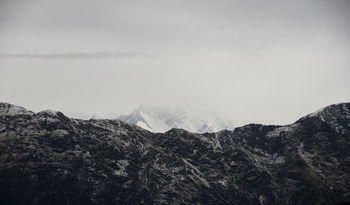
x=48 y=158
x=161 y=120
x=98 y=117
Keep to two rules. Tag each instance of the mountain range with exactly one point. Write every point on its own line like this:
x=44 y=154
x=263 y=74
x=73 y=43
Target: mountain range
x=49 y=158
x=157 y=119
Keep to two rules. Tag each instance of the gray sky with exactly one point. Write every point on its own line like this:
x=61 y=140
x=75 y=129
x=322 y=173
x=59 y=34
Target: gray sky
x=255 y=61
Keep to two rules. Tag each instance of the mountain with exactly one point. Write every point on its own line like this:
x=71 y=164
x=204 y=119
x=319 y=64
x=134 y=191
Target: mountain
x=157 y=119
x=48 y=158
x=8 y=109
x=98 y=117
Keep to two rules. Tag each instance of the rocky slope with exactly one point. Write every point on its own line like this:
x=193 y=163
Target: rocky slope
x=48 y=158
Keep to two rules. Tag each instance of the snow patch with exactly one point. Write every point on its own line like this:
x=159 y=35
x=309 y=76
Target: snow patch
x=276 y=132
x=122 y=164
x=262 y=199
x=304 y=154
x=317 y=112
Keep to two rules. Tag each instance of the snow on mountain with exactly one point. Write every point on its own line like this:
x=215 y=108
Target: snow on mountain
x=9 y=109
x=157 y=119
x=306 y=162
x=98 y=117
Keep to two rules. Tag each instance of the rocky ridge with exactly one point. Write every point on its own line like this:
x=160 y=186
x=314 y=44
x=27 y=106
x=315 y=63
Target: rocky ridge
x=48 y=158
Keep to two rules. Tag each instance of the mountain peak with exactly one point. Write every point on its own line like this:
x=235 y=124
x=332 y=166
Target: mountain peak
x=160 y=119
x=339 y=109
x=9 y=109
x=330 y=113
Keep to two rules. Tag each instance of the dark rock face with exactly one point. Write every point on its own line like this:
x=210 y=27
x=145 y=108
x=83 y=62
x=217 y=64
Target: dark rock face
x=48 y=158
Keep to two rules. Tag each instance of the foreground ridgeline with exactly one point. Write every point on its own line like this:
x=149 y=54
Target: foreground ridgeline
x=48 y=158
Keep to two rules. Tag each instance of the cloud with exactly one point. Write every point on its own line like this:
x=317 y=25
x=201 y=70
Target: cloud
x=248 y=59
x=70 y=55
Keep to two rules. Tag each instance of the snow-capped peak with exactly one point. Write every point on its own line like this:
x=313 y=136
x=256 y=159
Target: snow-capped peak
x=157 y=119
x=9 y=109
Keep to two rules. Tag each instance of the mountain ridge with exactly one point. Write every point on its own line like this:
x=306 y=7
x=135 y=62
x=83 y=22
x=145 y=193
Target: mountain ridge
x=48 y=158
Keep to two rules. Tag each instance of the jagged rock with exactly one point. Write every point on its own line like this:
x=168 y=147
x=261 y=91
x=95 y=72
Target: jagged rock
x=48 y=158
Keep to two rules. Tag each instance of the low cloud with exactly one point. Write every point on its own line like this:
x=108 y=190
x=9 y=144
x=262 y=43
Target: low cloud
x=70 y=55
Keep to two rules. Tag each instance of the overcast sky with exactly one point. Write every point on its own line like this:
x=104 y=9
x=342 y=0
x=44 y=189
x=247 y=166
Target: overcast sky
x=258 y=61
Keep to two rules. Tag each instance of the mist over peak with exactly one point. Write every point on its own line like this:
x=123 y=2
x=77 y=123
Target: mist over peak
x=162 y=119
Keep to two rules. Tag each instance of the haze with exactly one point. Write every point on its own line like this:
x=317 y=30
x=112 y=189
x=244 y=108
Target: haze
x=266 y=62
